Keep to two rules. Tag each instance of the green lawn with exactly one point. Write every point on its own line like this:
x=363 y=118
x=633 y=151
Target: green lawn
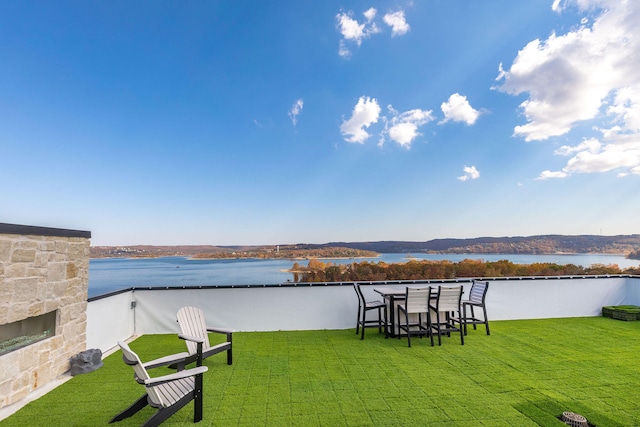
x=525 y=374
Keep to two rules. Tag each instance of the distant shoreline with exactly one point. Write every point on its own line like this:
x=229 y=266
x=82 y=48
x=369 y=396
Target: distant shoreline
x=552 y=244
x=409 y=256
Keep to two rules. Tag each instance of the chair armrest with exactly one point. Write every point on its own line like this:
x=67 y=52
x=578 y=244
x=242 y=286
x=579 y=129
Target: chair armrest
x=220 y=330
x=166 y=360
x=190 y=338
x=199 y=343
x=177 y=376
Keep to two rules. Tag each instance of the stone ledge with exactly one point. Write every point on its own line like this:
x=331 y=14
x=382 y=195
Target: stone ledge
x=41 y=231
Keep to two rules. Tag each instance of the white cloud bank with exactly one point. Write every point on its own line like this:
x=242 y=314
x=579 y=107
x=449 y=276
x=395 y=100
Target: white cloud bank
x=458 y=109
x=355 y=32
x=365 y=113
x=588 y=74
x=295 y=110
x=402 y=128
x=470 y=172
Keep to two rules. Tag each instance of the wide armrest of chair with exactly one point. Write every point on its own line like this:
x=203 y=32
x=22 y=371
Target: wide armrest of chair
x=177 y=376
x=166 y=360
x=190 y=338
x=220 y=330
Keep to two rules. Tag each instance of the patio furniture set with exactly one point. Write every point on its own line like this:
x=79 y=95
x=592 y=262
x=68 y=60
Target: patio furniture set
x=423 y=311
x=427 y=311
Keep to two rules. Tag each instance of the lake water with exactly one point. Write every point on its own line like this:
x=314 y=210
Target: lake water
x=112 y=274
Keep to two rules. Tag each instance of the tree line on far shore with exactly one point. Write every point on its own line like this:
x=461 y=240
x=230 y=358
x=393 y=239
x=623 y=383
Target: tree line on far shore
x=318 y=271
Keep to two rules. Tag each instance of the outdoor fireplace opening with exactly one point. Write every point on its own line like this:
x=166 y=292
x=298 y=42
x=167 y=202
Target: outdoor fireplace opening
x=26 y=332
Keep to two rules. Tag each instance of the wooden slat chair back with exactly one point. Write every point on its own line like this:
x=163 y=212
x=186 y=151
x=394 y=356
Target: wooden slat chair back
x=416 y=303
x=156 y=398
x=477 y=298
x=447 y=303
x=192 y=324
x=168 y=393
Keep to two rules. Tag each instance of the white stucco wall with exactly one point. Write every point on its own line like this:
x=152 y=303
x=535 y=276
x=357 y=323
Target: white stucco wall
x=334 y=307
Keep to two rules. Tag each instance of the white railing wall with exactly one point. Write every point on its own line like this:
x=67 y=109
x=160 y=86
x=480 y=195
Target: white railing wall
x=273 y=308
x=110 y=320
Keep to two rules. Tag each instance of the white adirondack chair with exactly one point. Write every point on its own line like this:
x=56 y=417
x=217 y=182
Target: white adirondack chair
x=193 y=327
x=168 y=393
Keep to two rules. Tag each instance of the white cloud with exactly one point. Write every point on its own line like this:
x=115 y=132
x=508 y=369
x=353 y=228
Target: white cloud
x=295 y=110
x=549 y=175
x=343 y=50
x=609 y=157
x=625 y=109
x=365 y=113
x=354 y=31
x=402 y=128
x=397 y=22
x=370 y=14
x=470 y=172
x=458 y=109
x=568 y=77
x=592 y=156
x=350 y=28
x=588 y=74
x=592 y=145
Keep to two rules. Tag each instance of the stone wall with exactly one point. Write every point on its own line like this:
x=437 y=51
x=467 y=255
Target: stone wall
x=42 y=270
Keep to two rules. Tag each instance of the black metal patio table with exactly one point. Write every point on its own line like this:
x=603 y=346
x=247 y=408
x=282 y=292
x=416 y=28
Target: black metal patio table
x=394 y=295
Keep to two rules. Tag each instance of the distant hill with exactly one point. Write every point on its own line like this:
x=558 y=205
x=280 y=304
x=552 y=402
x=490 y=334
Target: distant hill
x=547 y=244
x=218 y=252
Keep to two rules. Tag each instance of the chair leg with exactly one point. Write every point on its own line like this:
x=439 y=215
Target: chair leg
x=229 y=352
x=386 y=333
x=474 y=316
x=430 y=326
x=464 y=317
x=486 y=319
x=460 y=328
x=163 y=414
x=406 y=316
x=142 y=402
x=197 y=399
x=358 y=321
x=364 y=322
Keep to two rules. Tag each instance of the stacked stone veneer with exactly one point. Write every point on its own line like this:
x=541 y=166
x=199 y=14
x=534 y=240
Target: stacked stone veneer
x=42 y=270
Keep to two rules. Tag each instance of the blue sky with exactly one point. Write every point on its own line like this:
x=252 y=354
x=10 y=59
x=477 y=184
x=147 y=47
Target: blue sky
x=264 y=122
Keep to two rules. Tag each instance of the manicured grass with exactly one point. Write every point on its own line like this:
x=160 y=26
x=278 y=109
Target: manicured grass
x=526 y=374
